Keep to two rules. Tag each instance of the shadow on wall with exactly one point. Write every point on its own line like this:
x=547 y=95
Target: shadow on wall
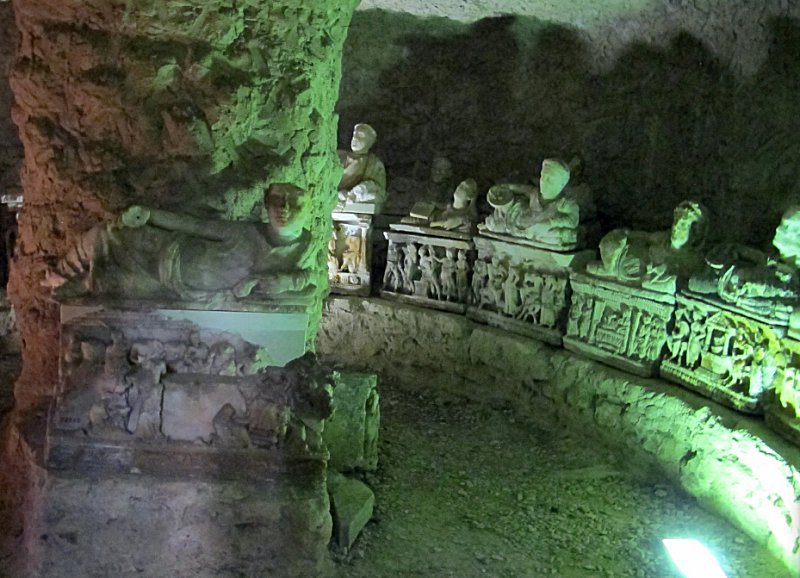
x=662 y=125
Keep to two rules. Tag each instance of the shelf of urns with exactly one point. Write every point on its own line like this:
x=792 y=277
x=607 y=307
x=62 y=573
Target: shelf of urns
x=720 y=327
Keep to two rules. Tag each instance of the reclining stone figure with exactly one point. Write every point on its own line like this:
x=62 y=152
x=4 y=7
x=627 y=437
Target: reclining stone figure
x=151 y=253
x=655 y=260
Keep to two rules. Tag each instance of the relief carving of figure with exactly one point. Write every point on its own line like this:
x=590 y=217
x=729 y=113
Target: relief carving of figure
x=750 y=279
x=429 y=282
x=678 y=337
x=511 y=292
x=552 y=300
x=548 y=215
x=655 y=260
x=447 y=274
x=787 y=390
x=364 y=178
x=462 y=276
x=351 y=258
x=493 y=292
x=333 y=260
x=531 y=297
x=410 y=268
x=479 y=278
x=150 y=253
x=391 y=276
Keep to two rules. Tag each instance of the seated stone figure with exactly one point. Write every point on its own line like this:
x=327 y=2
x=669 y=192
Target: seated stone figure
x=753 y=280
x=364 y=178
x=655 y=260
x=150 y=253
x=548 y=216
x=460 y=215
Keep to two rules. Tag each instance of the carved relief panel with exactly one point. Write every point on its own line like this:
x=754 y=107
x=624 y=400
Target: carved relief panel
x=349 y=254
x=622 y=326
x=522 y=289
x=722 y=353
x=427 y=270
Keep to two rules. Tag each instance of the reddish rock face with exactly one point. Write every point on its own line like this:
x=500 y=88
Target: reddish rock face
x=185 y=107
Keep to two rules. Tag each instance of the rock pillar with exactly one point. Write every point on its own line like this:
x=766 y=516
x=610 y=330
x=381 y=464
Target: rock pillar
x=186 y=105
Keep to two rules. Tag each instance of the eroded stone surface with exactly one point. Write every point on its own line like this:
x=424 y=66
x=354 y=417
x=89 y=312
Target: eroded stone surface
x=352 y=503
x=188 y=107
x=351 y=433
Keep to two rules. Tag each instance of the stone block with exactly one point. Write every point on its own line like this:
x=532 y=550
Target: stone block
x=351 y=504
x=351 y=433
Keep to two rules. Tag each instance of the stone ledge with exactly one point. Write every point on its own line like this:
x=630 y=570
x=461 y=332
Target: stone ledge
x=731 y=463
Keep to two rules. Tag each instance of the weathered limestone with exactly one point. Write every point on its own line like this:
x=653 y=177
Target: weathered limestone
x=428 y=267
x=351 y=433
x=194 y=106
x=527 y=248
x=716 y=455
x=782 y=404
x=352 y=503
x=622 y=326
x=731 y=318
x=350 y=254
x=719 y=351
x=430 y=253
x=551 y=216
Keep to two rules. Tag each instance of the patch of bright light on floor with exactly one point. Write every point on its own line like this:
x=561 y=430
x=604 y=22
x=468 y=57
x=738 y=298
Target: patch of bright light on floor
x=693 y=559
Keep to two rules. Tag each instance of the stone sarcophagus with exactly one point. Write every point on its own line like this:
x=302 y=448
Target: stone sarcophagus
x=131 y=374
x=726 y=340
x=430 y=253
x=718 y=351
x=622 y=326
x=782 y=404
x=622 y=305
x=428 y=267
x=527 y=248
x=523 y=289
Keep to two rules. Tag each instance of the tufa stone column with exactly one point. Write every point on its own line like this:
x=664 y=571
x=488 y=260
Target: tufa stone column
x=184 y=105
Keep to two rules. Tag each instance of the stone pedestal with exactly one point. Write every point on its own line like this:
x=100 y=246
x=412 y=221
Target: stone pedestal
x=124 y=510
x=177 y=447
x=428 y=267
x=622 y=326
x=350 y=253
x=723 y=353
x=523 y=289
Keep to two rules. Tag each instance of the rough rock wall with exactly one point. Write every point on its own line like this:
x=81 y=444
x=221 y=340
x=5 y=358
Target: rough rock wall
x=178 y=104
x=10 y=147
x=662 y=101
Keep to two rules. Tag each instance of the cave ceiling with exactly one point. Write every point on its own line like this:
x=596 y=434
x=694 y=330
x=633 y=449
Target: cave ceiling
x=576 y=12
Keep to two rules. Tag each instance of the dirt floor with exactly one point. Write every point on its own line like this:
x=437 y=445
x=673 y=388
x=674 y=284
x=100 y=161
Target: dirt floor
x=465 y=490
